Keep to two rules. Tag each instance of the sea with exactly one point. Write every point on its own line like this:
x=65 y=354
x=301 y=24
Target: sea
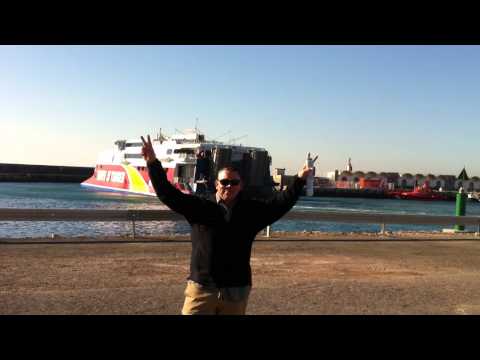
x=75 y=196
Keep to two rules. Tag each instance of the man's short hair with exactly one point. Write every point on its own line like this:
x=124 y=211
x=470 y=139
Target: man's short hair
x=230 y=169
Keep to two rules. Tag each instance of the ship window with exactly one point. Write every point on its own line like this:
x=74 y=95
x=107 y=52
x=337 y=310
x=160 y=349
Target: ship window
x=133 y=144
x=184 y=151
x=169 y=151
x=133 y=156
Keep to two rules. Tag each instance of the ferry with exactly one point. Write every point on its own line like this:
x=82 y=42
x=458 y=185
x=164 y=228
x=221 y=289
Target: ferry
x=190 y=160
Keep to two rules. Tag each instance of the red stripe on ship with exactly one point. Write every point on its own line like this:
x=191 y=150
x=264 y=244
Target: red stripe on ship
x=125 y=185
x=170 y=172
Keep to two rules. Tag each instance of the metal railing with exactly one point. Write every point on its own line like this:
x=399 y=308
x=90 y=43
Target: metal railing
x=162 y=215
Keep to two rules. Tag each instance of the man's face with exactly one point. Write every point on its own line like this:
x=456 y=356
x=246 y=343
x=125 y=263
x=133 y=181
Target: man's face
x=228 y=192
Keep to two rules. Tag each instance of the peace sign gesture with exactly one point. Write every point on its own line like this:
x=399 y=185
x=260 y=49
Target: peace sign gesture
x=305 y=172
x=147 y=150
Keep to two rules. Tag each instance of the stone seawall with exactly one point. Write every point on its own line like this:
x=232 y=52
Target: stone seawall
x=43 y=173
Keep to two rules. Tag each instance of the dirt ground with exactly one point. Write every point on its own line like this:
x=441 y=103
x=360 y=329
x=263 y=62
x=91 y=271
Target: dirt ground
x=294 y=273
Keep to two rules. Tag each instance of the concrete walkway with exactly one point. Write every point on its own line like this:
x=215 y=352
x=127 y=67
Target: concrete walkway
x=319 y=276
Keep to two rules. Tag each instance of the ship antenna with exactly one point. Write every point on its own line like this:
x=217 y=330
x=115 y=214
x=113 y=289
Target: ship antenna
x=197 y=129
x=230 y=141
x=218 y=137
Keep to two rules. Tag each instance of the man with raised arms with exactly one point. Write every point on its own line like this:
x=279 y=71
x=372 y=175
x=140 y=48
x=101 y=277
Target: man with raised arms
x=224 y=226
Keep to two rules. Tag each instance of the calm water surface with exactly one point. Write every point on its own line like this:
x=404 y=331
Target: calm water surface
x=74 y=196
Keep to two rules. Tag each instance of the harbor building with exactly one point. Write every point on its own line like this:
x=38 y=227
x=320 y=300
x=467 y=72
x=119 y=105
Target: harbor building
x=388 y=181
x=349 y=179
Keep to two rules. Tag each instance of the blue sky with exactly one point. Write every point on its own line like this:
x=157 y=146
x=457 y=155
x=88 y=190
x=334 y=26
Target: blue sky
x=389 y=108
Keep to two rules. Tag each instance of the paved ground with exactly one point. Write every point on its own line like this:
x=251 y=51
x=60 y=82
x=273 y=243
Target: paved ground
x=341 y=274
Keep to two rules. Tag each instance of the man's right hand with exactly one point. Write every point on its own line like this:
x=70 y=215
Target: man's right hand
x=147 y=150
x=305 y=172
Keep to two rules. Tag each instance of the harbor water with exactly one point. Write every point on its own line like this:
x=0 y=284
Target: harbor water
x=74 y=196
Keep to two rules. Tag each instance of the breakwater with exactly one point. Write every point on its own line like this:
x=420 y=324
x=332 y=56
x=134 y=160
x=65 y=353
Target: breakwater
x=43 y=173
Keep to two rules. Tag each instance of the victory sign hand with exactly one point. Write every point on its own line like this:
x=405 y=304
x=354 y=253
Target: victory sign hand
x=303 y=173
x=147 y=150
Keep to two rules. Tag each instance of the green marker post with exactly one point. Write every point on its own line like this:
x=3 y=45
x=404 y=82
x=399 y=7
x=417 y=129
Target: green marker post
x=460 y=207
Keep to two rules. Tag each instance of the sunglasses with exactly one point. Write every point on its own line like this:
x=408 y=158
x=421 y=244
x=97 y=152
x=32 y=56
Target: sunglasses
x=226 y=182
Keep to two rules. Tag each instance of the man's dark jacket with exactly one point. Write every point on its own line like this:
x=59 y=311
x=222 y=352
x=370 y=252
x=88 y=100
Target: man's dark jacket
x=220 y=249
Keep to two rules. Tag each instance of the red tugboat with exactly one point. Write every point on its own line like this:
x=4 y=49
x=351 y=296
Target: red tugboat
x=419 y=193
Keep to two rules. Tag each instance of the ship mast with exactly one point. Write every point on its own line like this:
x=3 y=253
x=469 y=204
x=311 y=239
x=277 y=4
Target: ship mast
x=349 y=165
x=160 y=137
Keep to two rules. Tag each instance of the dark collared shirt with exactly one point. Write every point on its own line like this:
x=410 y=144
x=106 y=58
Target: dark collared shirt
x=226 y=208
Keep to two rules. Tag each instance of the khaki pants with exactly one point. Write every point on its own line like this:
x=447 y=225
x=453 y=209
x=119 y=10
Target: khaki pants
x=200 y=300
